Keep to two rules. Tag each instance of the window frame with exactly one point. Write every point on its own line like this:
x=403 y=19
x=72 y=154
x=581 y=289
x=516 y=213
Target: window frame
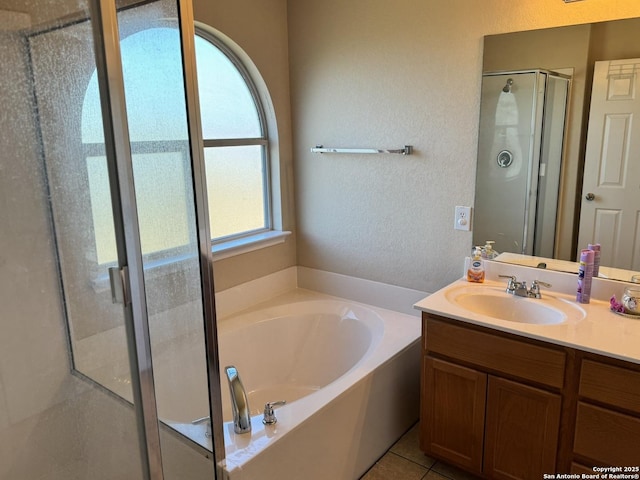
x=240 y=239
x=157 y=257
x=241 y=242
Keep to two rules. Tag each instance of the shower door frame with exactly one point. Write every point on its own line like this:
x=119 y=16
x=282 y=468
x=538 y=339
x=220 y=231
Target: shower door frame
x=130 y=269
x=198 y=175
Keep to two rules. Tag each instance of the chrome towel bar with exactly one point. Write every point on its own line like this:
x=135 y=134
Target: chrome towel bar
x=407 y=150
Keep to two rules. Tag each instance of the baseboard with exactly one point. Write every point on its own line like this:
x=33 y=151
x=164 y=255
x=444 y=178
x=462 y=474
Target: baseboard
x=391 y=297
x=261 y=289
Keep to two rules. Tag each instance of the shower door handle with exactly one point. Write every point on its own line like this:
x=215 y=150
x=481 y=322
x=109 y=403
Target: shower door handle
x=590 y=197
x=119 y=283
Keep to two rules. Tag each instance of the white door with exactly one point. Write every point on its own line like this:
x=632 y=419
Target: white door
x=610 y=212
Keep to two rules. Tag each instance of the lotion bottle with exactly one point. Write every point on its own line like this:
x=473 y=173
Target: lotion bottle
x=475 y=272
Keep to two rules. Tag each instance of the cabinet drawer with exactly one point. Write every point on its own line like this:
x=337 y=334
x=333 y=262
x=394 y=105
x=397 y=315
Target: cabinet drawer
x=606 y=437
x=616 y=386
x=513 y=357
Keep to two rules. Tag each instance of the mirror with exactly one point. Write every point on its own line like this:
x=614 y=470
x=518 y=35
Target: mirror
x=518 y=70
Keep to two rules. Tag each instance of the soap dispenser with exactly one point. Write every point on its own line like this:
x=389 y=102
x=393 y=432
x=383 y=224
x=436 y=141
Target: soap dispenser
x=475 y=272
x=488 y=252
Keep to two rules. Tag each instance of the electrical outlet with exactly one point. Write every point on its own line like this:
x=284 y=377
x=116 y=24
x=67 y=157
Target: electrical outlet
x=463 y=219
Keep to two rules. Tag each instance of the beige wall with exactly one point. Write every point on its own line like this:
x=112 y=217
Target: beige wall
x=372 y=73
x=259 y=28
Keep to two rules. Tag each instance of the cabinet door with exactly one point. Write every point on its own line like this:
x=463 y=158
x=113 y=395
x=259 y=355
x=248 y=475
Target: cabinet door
x=521 y=434
x=453 y=413
x=607 y=437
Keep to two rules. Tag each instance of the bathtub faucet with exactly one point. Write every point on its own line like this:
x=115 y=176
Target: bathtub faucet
x=269 y=417
x=206 y=420
x=239 y=402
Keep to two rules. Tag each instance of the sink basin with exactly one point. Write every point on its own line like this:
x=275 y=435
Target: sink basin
x=494 y=302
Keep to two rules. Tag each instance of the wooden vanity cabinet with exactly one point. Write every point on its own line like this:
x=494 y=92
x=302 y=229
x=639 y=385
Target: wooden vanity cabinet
x=607 y=430
x=504 y=406
x=491 y=402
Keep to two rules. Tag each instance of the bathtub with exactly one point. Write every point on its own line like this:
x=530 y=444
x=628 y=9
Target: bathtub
x=349 y=374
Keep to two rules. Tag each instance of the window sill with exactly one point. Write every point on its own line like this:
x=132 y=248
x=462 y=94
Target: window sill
x=247 y=244
x=158 y=268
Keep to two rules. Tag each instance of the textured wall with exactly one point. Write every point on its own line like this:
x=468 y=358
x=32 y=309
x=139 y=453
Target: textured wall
x=381 y=74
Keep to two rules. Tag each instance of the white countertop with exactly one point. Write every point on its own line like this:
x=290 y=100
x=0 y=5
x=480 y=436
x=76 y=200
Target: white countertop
x=600 y=331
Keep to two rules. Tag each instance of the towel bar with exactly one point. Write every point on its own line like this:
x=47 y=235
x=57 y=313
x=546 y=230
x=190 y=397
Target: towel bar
x=407 y=150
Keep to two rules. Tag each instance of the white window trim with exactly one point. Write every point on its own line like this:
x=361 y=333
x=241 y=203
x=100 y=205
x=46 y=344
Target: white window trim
x=250 y=243
x=222 y=250
x=274 y=235
x=224 y=45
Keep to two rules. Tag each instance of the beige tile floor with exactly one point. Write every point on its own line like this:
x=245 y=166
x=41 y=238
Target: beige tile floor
x=405 y=461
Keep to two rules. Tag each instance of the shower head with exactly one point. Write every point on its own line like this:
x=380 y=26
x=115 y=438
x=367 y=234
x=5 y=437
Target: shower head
x=507 y=87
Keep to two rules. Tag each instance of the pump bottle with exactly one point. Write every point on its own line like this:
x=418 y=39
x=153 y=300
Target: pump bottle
x=475 y=272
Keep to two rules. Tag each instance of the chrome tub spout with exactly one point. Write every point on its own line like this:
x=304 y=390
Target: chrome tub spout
x=239 y=402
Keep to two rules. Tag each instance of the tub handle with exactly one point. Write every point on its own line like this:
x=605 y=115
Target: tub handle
x=269 y=417
x=200 y=420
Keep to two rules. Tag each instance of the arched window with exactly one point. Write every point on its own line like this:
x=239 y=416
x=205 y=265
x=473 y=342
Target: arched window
x=235 y=142
x=156 y=117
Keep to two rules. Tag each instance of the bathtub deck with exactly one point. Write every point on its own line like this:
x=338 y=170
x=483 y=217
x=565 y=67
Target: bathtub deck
x=405 y=461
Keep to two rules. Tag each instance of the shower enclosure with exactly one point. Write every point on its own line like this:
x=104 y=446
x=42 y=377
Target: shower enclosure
x=520 y=149
x=104 y=240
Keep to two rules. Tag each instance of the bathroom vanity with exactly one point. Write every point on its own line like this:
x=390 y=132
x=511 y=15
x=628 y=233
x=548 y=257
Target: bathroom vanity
x=521 y=399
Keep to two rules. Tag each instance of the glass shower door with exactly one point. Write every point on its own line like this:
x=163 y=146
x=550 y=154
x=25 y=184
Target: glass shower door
x=505 y=146
x=174 y=235
x=53 y=423
x=122 y=179
x=520 y=151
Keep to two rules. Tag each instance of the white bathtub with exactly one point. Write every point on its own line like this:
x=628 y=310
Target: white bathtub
x=349 y=373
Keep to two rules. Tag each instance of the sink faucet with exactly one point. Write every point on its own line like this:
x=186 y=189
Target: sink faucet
x=512 y=285
x=239 y=402
x=535 y=288
x=520 y=288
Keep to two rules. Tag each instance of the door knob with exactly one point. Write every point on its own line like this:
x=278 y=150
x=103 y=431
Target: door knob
x=590 y=197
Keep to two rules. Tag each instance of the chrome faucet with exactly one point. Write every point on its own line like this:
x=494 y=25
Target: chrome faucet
x=206 y=420
x=520 y=288
x=239 y=402
x=535 y=288
x=269 y=417
x=512 y=284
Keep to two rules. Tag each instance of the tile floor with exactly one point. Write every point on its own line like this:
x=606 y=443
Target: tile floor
x=405 y=461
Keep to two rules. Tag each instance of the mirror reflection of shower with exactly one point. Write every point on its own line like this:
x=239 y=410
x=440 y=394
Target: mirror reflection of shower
x=520 y=150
